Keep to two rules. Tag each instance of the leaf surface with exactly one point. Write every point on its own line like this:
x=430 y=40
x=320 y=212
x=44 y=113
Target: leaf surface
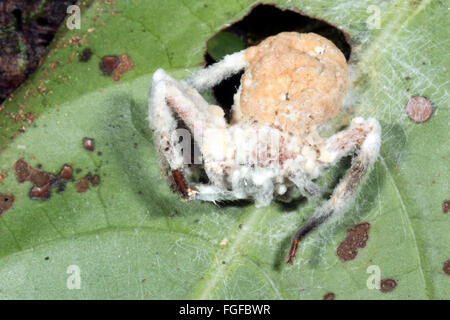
x=132 y=238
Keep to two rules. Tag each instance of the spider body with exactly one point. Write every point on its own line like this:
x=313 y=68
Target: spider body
x=293 y=83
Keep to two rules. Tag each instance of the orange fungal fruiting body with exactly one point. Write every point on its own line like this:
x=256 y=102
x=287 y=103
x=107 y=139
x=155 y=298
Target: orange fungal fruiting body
x=294 y=81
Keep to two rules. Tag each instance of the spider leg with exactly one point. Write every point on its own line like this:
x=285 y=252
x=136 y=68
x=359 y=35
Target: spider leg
x=215 y=73
x=212 y=193
x=169 y=96
x=363 y=133
x=170 y=100
x=307 y=188
x=243 y=186
x=345 y=142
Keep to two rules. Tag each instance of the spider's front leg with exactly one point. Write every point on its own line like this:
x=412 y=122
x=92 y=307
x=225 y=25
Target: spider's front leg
x=365 y=134
x=169 y=101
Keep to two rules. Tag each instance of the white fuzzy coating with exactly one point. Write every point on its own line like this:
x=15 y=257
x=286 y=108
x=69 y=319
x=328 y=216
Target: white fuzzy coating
x=161 y=118
x=368 y=153
x=254 y=157
x=372 y=143
x=236 y=108
x=214 y=74
x=242 y=155
x=249 y=159
x=255 y=183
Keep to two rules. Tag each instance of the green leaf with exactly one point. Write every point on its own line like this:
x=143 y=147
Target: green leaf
x=132 y=238
x=224 y=43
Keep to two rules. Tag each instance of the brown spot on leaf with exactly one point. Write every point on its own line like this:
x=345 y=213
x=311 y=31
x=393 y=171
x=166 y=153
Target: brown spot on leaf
x=419 y=109
x=30 y=117
x=6 y=202
x=40 y=178
x=82 y=185
x=108 y=64
x=329 y=296
x=357 y=237
x=42 y=181
x=76 y=41
x=446 y=267
x=3 y=175
x=66 y=172
x=40 y=193
x=22 y=170
x=86 y=55
x=125 y=65
x=387 y=285
x=446 y=206
x=89 y=144
x=95 y=180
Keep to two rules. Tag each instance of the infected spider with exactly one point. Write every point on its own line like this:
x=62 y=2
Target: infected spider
x=293 y=83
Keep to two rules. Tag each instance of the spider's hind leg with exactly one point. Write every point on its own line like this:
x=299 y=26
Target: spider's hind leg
x=363 y=133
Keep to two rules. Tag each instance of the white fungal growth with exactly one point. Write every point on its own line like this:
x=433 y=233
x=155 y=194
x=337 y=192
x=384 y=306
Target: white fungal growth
x=292 y=84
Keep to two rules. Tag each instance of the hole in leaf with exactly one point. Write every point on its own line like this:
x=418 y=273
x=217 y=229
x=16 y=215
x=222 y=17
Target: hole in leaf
x=262 y=21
